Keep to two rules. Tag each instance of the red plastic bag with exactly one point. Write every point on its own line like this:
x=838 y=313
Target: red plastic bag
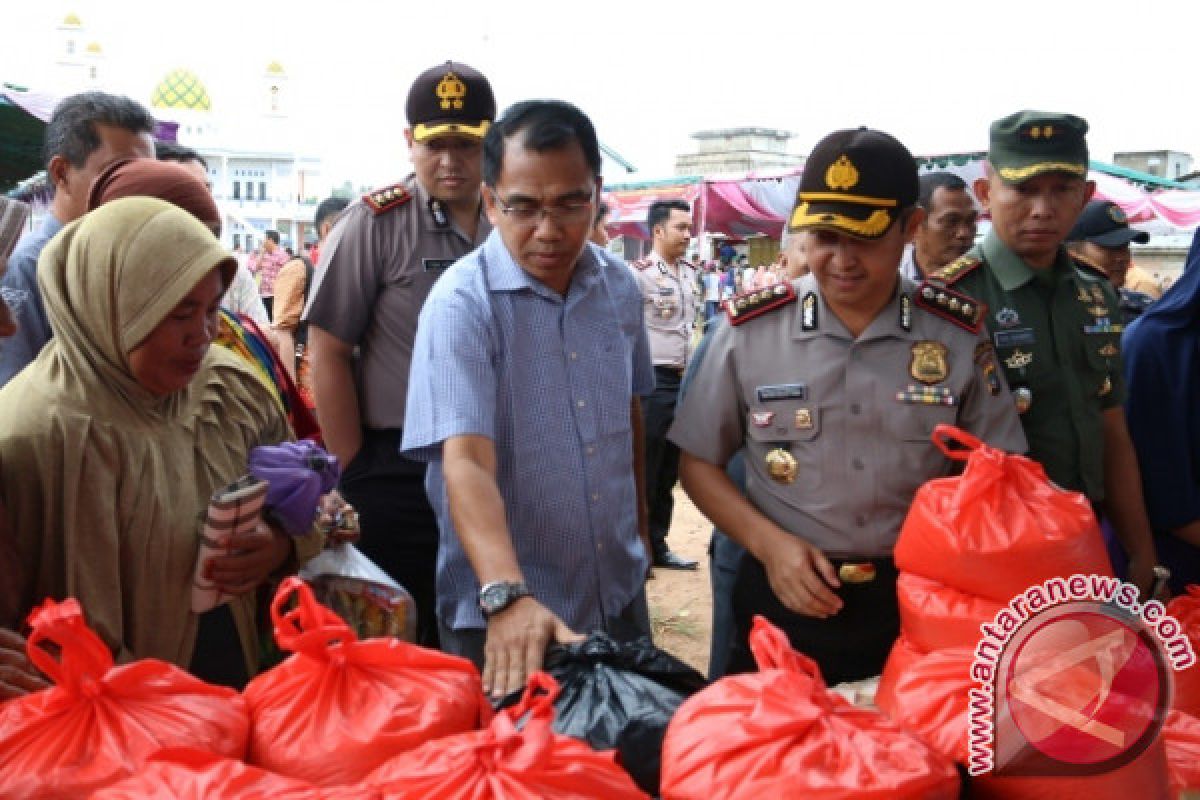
x=195 y=775
x=99 y=722
x=517 y=757
x=1186 y=609
x=933 y=616
x=998 y=528
x=1181 y=736
x=927 y=694
x=780 y=732
x=340 y=707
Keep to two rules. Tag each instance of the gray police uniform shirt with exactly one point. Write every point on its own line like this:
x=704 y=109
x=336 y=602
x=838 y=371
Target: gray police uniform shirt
x=850 y=412
x=375 y=272
x=669 y=306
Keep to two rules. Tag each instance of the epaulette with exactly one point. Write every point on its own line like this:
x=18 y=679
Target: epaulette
x=956 y=270
x=385 y=199
x=641 y=264
x=748 y=305
x=942 y=301
x=1089 y=266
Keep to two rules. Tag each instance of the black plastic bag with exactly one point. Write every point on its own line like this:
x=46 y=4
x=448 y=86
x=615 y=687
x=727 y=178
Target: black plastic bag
x=620 y=695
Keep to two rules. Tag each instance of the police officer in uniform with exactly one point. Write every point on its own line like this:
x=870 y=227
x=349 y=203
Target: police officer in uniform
x=832 y=385
x=668 y=286
x=1055 y=321
x=379 y=264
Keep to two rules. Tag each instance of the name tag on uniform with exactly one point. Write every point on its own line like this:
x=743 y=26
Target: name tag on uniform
x=782 y=391
x=437 y=264
x=666 y=290
x=1019 y=337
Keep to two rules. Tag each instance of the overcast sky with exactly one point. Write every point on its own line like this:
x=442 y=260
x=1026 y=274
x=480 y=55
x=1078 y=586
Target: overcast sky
x=932 y=73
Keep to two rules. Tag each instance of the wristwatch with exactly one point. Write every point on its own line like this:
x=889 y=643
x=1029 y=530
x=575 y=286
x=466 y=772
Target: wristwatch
x=496 y=596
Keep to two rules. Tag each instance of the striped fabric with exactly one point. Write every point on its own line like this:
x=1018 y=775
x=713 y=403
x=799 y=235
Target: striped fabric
x=550 y=381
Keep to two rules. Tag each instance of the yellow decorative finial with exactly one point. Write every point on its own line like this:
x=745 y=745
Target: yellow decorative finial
x=842 y=174
x=451 y=91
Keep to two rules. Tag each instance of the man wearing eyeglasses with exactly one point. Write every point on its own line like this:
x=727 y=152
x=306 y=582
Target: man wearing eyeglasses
x=378 y=265
x=530 y=356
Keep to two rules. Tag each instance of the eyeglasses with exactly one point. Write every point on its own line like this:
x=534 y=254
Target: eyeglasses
x=529 y=215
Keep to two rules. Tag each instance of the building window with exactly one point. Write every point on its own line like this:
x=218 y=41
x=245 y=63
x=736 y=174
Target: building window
x=70 y=47
x=249 y=190
x=237 y=191
x=237 y=241
x=92 y=73
x=262 y=190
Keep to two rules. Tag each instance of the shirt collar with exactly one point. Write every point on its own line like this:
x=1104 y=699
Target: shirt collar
x=506 y=275
x=1011 y=270
x=890 y=322
x=426 y=216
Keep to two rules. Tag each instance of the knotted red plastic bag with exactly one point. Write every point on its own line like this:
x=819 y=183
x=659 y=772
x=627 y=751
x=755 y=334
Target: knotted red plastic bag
x=194 y=775
x=998 y=528
x=780 y=732
x=340 y=707
x=517 y=757
x=927 y=694
x=99 y=722
x=1186 y=609
x=1181 y=736
x=933 y=616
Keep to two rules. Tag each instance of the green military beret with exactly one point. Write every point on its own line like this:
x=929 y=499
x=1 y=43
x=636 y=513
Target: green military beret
x=1029 y=143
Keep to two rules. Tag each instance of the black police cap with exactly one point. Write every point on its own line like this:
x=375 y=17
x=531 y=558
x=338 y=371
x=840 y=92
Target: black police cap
x=1105 y=224
x=450 y=99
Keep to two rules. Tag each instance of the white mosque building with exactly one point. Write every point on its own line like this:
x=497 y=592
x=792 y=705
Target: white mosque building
x=259 y=179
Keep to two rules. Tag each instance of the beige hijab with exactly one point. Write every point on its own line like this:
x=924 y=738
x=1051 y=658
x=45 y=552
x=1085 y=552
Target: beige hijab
x=105 y=482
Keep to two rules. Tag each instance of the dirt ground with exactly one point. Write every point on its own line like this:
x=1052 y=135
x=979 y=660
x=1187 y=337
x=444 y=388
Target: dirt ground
x=681 y=601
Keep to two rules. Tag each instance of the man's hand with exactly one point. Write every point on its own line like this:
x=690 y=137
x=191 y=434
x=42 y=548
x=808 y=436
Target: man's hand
x=255 y=556
x=801 y=576
x=517 y=638
x=17 y=675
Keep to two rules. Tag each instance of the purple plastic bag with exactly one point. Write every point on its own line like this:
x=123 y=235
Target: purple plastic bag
x=297 y=474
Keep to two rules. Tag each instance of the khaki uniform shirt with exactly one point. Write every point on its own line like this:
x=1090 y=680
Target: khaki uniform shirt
x=849 y=411
x=376 y=270
x=669 y=306
x=1057 y=334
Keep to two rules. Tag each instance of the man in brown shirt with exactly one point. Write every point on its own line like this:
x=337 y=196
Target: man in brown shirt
x=381 y=260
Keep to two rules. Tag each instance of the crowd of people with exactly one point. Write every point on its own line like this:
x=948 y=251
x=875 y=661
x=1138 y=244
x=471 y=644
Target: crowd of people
x=512 y=405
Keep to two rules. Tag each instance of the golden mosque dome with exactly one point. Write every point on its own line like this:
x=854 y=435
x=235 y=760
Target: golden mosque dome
x=94 y=49
x=181 y=90
x=274 y=68
x=72 y=20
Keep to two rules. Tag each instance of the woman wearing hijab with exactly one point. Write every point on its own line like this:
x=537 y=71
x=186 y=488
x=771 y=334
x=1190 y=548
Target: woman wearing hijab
x=119 y=432
x=1161 y=350
x=238 y=333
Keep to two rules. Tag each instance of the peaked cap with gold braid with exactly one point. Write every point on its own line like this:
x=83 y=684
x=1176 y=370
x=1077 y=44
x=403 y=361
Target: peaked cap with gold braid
x=1028 y=143
x=856 y=182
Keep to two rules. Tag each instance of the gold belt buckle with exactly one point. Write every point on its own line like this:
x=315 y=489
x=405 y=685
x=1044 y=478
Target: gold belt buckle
x=856 y=573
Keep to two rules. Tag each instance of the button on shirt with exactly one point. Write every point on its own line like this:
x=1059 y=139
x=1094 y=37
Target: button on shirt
x=374 y=274
x=1057 y=334
x=669 y=306
x=19 y=288
x=849 y=411
x=550 y=381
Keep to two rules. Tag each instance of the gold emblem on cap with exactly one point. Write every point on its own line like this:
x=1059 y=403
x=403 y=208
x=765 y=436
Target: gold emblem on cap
x=1118 y=215
x=929 y=362
x=842 y=174
x=451 y=91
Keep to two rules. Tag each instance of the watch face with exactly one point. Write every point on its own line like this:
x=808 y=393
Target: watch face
x=493 y=597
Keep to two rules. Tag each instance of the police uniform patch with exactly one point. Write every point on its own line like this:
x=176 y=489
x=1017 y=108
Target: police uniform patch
x=1109 y=350
x=1018 y=360
x=804 y=419
x=436 y=264
x=928 y=363
x=1103 y=326
x=745 y=307
x=385 y=199
x=808 y=320
x=1020 y=337
x=905 y=313
x=1008 y=318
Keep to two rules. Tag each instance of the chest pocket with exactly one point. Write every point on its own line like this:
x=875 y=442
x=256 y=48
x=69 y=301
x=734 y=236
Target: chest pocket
x=791 y=425
x=914 y=422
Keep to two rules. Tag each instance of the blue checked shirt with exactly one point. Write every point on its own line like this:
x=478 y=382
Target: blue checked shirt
x=549 y=380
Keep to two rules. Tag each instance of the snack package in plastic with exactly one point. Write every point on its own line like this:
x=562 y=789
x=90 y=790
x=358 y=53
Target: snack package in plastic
x=182 y=774
x=99 y=722
x=620 y=695
x=517 y=757
x=358 y=591
x=1186 y=609
x=998 y=528
x=340 y=707
x=781 y=733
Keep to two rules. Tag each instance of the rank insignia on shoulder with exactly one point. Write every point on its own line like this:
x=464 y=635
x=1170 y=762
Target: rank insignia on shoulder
x=744 y=307
x=963 y=310
x=956 y=270
x=640 y=264
x=1089 y=267
x=385 y=199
